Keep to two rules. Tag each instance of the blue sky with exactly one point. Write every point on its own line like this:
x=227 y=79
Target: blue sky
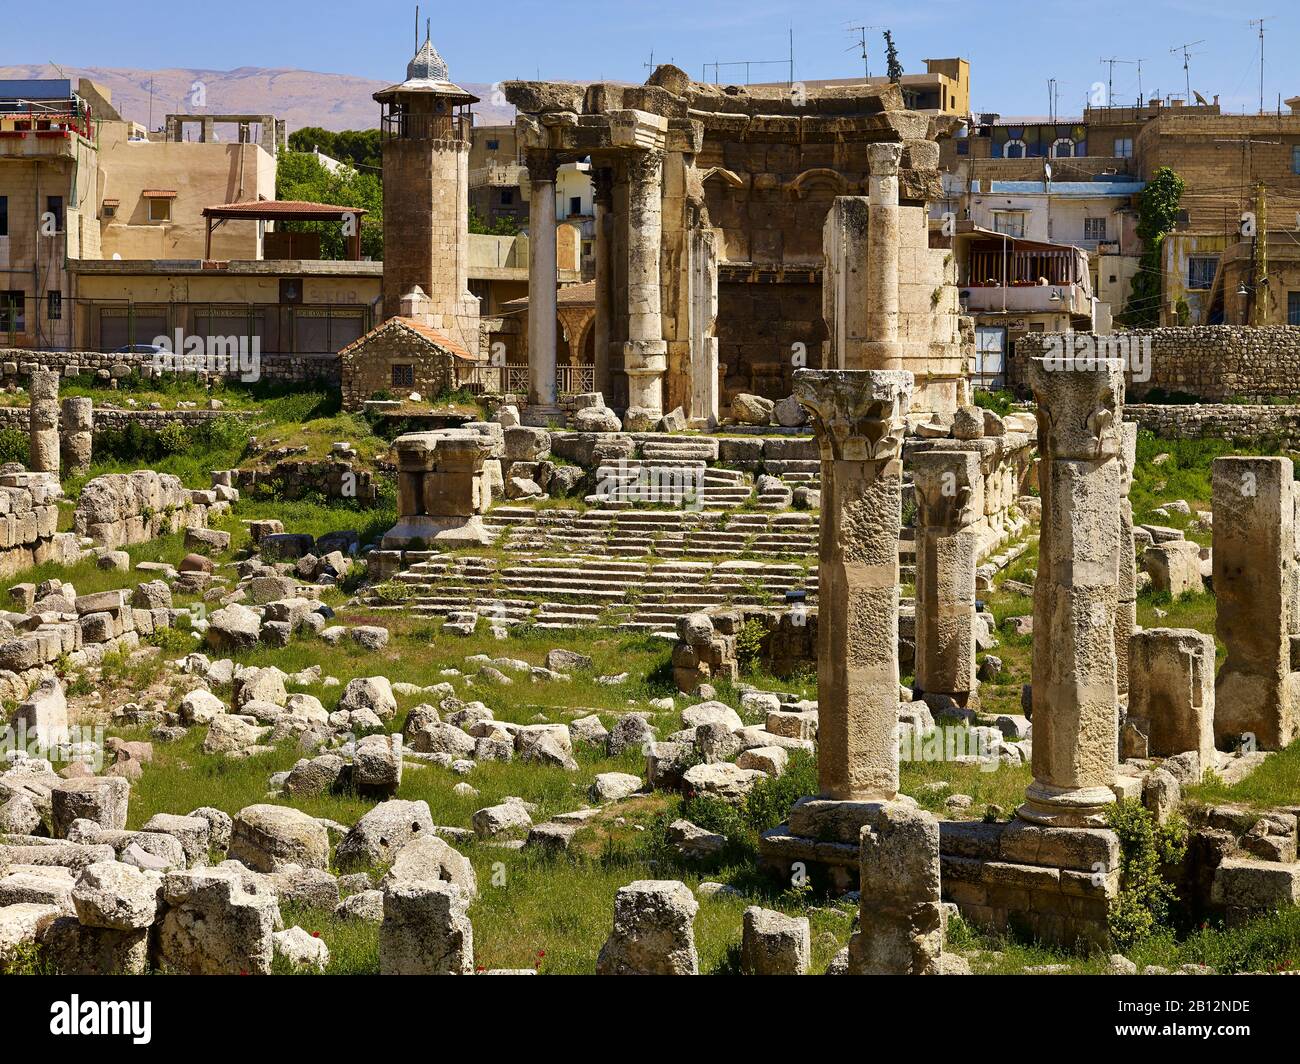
x=1014 y=47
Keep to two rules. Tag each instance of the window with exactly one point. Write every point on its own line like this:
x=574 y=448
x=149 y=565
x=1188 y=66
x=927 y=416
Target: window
x=493 y=145
x=1295 y=159
x=1094 y=229
x=1012 y=223
x=507 y=197
x=1293 y=308
x=160 y=210
x=575 y=204
x=4 y=215
x=54 y=306
x=1201 y=270
x=1123 y=147
x=54 y=206
x=1014 y=149
x=12 y=318
x=1062 y=148
x=403 y=375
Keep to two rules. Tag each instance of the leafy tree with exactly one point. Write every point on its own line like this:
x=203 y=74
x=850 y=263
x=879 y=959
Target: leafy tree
x=503 y=225
x=359 y=148
x=300 y=176
x=895 y=68
x=1157 y=214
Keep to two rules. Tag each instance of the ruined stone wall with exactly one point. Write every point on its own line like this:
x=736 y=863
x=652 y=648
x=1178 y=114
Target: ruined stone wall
x=1218 y=421
x=1211 y=362
x=17 y=417
x=29 y=519
x=119 y=509
x=760 y=319
x=287 y=369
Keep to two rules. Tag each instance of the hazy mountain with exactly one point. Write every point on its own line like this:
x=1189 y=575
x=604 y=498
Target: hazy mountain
x=300 y=97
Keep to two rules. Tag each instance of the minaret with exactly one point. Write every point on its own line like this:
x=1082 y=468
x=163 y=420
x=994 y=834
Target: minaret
x=425 y=123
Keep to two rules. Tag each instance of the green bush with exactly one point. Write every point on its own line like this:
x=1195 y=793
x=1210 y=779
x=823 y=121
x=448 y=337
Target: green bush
x=14 y=446
x=1145 y=848
x=749 y=644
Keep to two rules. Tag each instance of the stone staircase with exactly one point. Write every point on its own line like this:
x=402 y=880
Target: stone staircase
x=631 y=532
x=570 y=592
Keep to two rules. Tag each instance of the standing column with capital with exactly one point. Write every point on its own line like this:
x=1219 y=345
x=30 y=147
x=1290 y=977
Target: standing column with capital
x=543 y=405
x=949 y=499
x=1076 y=595
x=1126 y=612
x=645 y=354
x=602 y=180
x=858 y=418
x=881 y=348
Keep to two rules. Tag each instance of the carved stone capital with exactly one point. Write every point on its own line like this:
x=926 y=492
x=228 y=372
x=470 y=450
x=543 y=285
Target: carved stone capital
x=948 y=488
x=858 y=415
x=602 y=182
x=883 y=159
x=542 y=166
x=1080 y=406
x=645 y=167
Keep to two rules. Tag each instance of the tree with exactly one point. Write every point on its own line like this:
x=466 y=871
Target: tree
x=502 y=225
x=300 y=176
x=1157 y=215
x=895 y=68
x=361 y=149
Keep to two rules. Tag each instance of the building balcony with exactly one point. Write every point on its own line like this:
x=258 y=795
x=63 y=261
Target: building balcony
x=1027 y=299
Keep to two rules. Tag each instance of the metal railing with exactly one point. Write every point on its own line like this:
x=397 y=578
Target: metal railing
x=513 y=379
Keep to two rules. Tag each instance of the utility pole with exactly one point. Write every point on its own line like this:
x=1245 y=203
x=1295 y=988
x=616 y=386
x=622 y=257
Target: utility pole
x=1259 y=290
x=1260 y=23
x=1186 y=49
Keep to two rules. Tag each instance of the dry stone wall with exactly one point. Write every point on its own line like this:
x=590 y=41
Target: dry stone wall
x=119 y=509
x=1213 y=363
x=290 y=369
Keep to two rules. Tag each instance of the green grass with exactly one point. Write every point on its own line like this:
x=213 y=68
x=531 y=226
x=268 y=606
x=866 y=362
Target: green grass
x=1274 y=783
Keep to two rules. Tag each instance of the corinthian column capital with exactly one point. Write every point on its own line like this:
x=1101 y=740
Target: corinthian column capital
x=858 y=415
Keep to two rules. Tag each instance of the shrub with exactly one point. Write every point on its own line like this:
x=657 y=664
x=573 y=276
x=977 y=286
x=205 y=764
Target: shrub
x=749 y=643
x=1145 y=847
x=14 y=446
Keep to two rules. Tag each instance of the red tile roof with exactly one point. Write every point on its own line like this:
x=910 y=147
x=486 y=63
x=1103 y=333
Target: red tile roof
x=425 y=332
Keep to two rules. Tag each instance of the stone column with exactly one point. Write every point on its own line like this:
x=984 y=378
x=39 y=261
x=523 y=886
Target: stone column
x=78 y=432
x=1255 y=587
x=1076 y=707
x=1126 y=612
x=703 y=305
x=949 y=500
x=645 y=355
x=844 y=247
x=602 y=180
x=542 y=397
x=858 y=418
x=44 y=421
x=880 y=348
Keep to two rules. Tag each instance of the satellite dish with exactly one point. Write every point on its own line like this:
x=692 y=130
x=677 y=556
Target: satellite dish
x=1047 y=170
x=1200 y=99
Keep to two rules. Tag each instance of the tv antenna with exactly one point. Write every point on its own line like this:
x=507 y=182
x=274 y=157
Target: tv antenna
x=861 y=45
x=1186 y=49
x=1260 y=23
x=1110 y=76
x=1053 y=98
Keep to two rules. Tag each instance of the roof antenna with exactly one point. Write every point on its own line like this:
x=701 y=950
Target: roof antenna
x=417 y=27
x=428 y=30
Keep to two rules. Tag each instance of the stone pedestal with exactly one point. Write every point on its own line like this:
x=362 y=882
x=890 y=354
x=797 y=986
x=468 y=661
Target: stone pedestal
x=901 y=924
x=645 y=354
x=1255 y=584
x=949 y=500
x=543 y=406
x=78 y=433
x=441 y=491
x=44 y=425
x=1076 y=709
x=1171 y=692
